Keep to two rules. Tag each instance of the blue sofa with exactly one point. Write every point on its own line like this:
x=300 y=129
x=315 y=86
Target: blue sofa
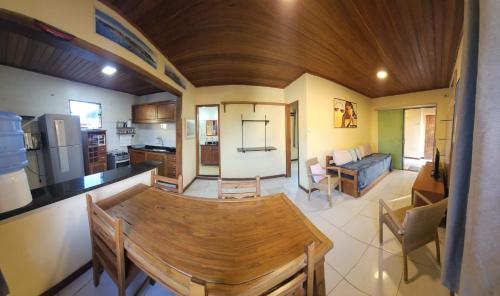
x=358 y=177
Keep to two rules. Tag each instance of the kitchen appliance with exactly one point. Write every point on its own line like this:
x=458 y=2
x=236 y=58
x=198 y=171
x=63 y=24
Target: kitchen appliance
x=117 y=158
x=15 y=191
x=62 y=147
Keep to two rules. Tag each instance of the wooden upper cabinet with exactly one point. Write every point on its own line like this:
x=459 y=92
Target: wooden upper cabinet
x=144 y=113
x=166 y=111
x=154 y=112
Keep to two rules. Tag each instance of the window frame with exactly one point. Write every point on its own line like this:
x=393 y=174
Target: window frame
x=87 y=102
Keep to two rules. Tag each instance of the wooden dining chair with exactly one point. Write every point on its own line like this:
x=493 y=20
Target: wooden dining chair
x=232 y=189
x=295 y=285
x=320 y=180
x=414 y=227
x=108 y=253
x=163 y=183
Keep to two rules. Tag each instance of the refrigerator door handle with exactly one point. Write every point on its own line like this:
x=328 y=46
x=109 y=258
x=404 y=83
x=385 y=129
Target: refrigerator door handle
x=60 y=132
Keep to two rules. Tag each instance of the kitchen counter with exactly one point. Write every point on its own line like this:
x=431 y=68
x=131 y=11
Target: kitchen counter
x=60 y=191
x=156 y=149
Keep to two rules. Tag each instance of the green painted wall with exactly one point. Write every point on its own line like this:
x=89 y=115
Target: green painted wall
x=390 y=135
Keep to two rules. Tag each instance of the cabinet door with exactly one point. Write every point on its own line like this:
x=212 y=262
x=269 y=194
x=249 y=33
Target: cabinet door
x=144 y=113
x=137 y=156
x=215 y=155
x=170 y=170
x=158 y=157
x=166 y=111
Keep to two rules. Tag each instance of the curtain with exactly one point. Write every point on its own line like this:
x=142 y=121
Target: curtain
x=462 y=150
x=472 y=261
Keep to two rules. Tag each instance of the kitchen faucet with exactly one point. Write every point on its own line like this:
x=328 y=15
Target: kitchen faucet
x=160 y=140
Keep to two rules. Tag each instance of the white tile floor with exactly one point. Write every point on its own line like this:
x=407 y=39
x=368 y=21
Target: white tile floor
x=357 y=265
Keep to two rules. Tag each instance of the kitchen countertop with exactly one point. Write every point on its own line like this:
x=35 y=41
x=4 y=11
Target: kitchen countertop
x=158 y=149
x=60 y=191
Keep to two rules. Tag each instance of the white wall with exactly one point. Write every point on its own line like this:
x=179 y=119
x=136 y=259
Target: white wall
x=244 y=165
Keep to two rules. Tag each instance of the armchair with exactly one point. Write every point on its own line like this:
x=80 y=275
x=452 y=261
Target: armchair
x=414 y=227
x=325 y=181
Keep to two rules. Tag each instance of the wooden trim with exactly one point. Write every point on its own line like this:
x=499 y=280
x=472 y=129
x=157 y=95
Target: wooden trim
x=198 y=140
x=249 y=179
x=288 y=143
x=67 y=280
x=190 y=183
x=254 y=103
x=178 y=137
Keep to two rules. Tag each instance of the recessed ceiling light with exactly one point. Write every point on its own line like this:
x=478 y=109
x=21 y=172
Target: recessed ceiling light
x=381 y=74
x=108 y=70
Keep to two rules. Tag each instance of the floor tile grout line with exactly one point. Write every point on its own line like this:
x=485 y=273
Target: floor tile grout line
x=83 y=286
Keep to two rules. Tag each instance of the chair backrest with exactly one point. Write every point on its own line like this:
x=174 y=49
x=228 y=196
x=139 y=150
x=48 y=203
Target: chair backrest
x=163 y=183
x=106 y=235
x=238 y=189
x=309 y=163
x=420 y=223
x=295 y=285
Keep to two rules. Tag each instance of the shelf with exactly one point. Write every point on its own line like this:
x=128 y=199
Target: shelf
x=255 y=149
x=255 y=120
x=250 y=103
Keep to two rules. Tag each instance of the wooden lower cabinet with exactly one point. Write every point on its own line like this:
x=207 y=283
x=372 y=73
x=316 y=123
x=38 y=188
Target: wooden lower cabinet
x=136 y=156
x=168 y=161
x=209 y=154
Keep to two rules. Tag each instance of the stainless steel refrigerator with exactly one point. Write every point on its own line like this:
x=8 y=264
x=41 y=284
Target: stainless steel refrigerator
x=62 y=147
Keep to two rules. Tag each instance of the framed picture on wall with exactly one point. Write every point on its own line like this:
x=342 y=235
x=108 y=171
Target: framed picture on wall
x=190 y=128
x=345 y=114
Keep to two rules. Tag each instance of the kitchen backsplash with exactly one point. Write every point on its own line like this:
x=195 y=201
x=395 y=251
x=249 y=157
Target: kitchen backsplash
x=150 y=134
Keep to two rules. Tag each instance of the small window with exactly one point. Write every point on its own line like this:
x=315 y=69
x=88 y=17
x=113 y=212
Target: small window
x=90 y=113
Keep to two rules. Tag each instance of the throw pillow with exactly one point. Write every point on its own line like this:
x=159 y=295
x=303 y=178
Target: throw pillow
x=359 y=152
x=367 y=150
x=353 y=154
x=317 y=169
x=341 y=157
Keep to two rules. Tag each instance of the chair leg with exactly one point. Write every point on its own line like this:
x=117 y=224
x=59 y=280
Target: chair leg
x=96 y=274
x=330 y=196
x=380 y=232
x=309 y=193
x=405 y=265
x=438 y=254
x=380 y=225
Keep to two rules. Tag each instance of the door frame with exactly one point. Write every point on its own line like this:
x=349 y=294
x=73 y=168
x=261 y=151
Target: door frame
x=404 y=124
x=198 y=141
x=288 y=140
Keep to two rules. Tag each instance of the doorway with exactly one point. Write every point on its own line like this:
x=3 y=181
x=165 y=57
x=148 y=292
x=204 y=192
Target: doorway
x=292 y=136
x=419 y=137
x=207 y=141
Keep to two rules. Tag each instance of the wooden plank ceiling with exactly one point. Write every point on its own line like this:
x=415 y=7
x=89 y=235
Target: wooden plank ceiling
x=23 y=45
x=273 y=42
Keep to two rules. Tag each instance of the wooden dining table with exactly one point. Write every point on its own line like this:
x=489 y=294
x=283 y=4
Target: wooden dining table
x=232 y=247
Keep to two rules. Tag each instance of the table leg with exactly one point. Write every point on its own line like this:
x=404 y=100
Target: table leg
x=319 y=278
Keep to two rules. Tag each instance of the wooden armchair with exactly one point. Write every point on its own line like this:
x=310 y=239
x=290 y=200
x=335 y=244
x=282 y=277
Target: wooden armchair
x=108 y=253
x=163 y=182
x=414 y=227
x=229 y=189
x=327 y=183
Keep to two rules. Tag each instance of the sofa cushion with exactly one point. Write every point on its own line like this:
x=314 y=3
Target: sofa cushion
x=317 y=169
x=353 y=154
x=367 y=150
x=341 y=157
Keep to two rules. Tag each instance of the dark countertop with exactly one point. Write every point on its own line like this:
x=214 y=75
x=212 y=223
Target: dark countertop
x=60 y=191
x=153 y=149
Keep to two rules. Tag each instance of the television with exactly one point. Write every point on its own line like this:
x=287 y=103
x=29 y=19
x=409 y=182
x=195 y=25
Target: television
x=435 y=172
